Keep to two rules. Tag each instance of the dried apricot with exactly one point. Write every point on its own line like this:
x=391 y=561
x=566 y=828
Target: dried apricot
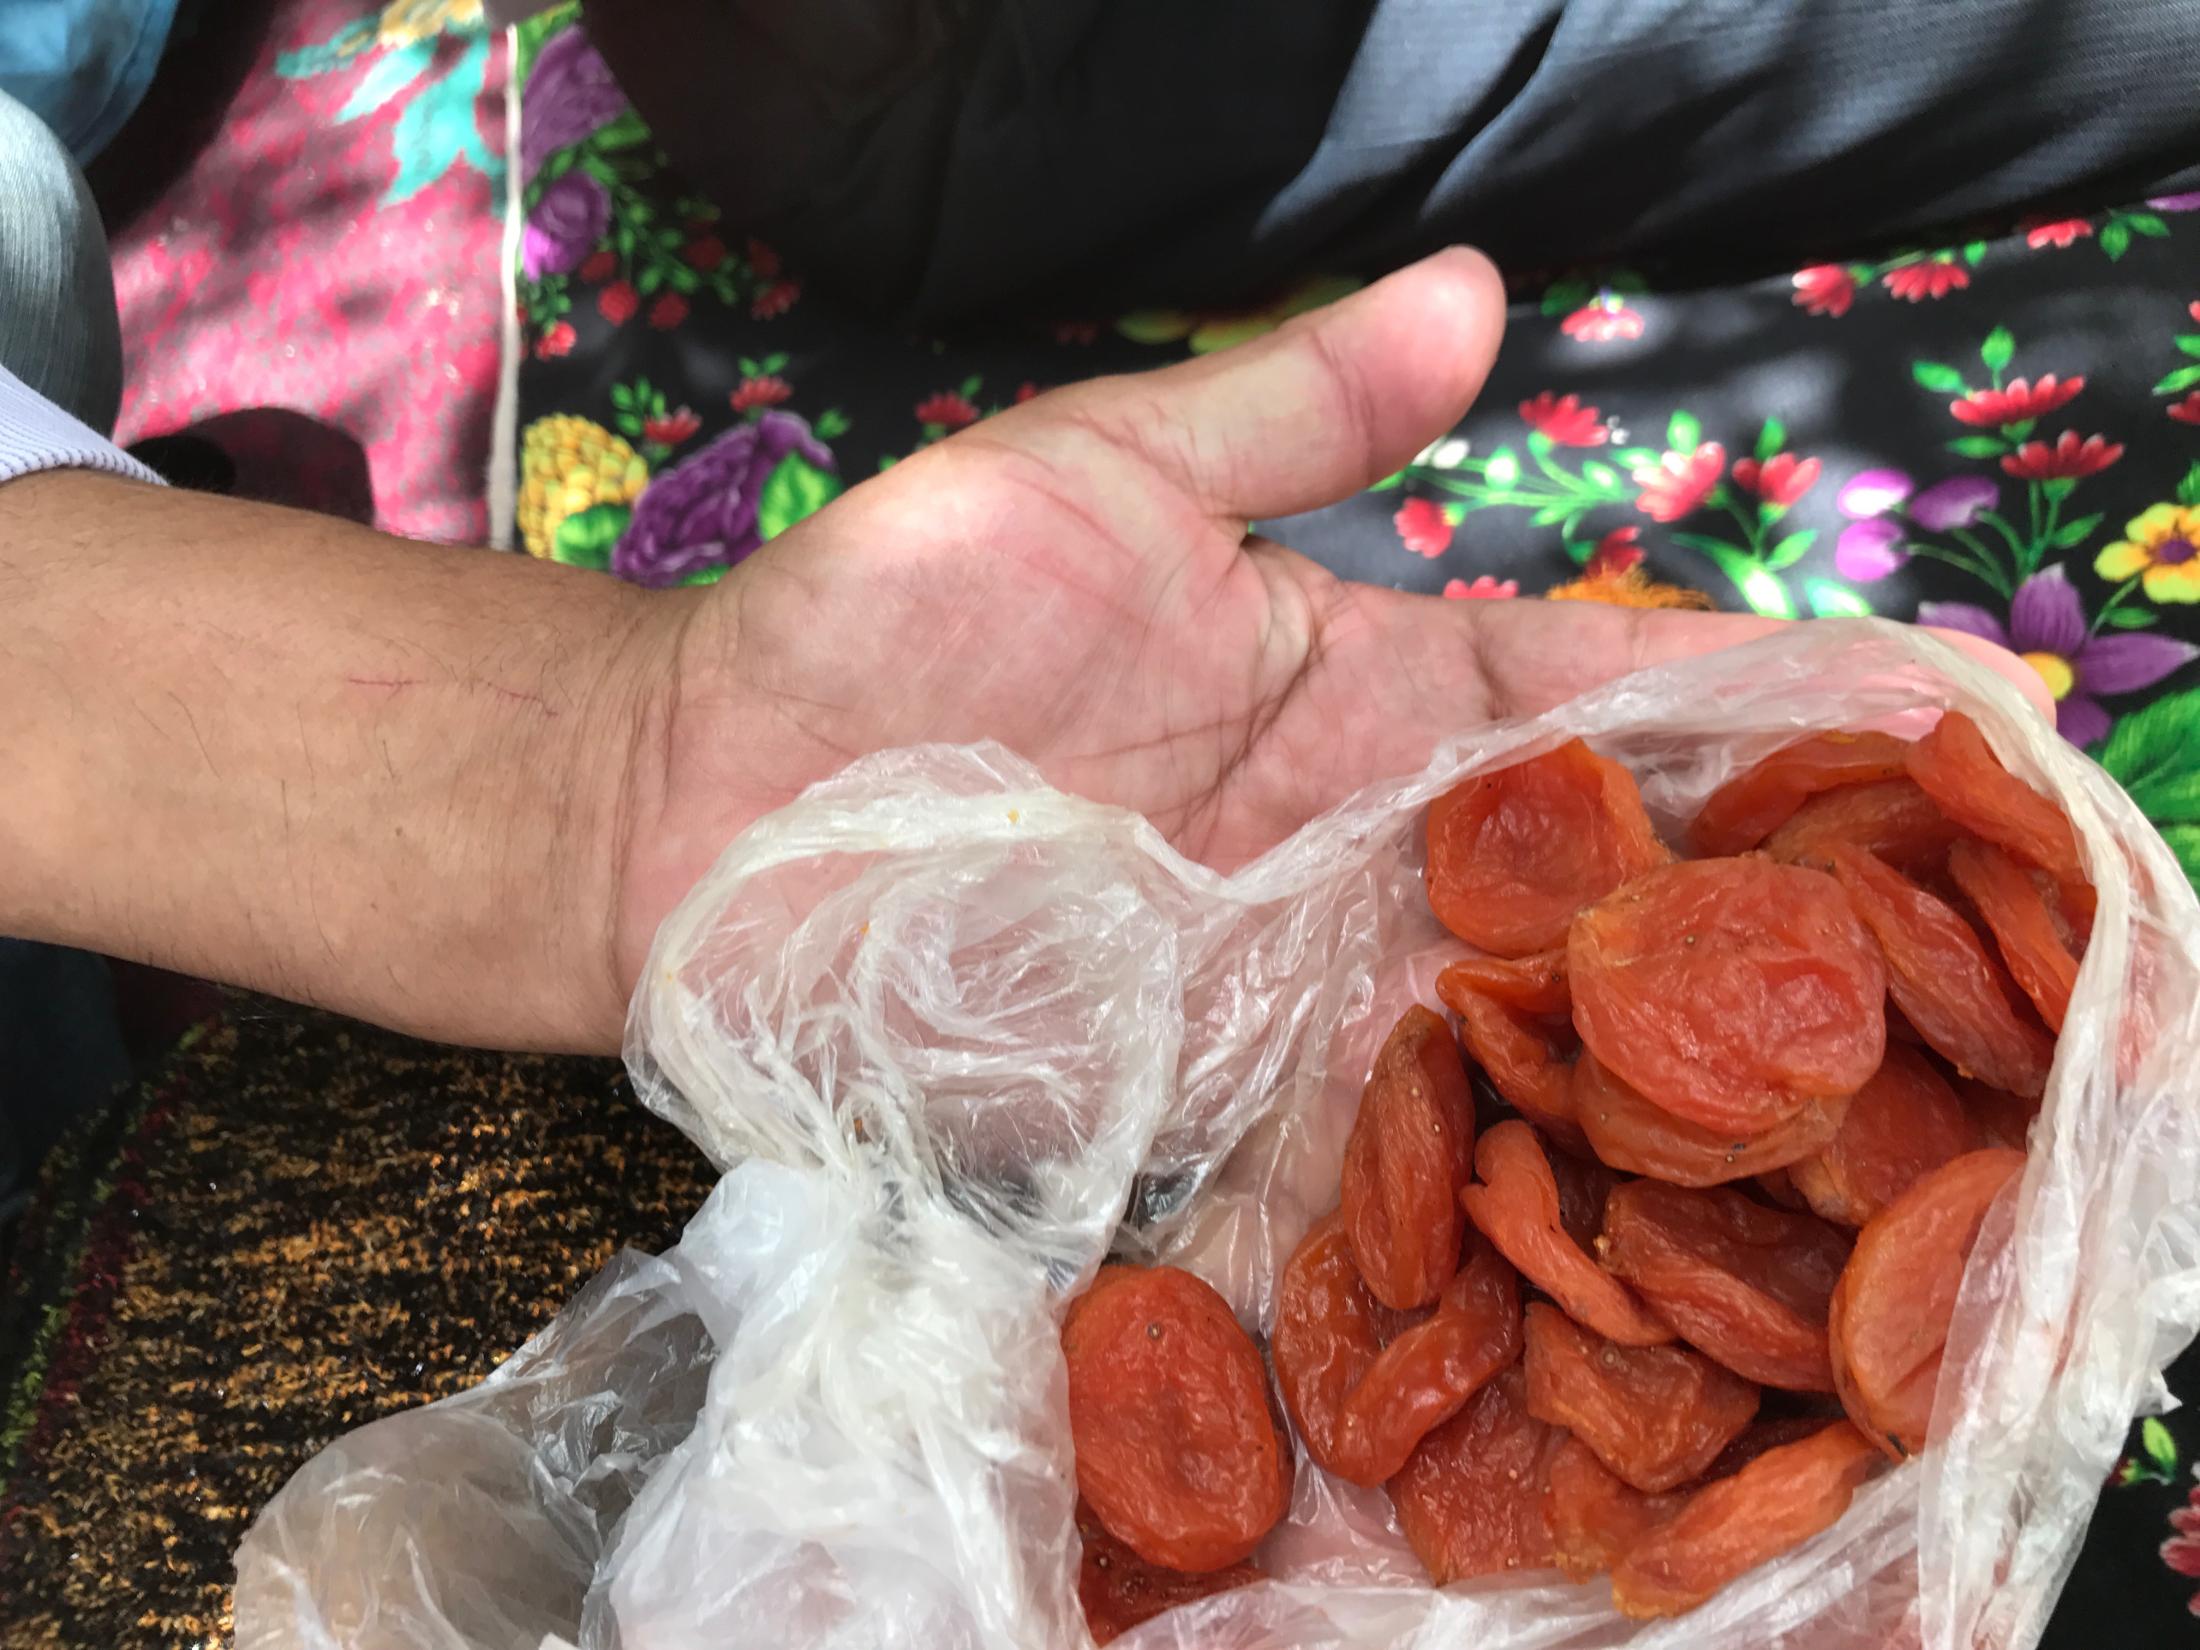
x=1177 y=1450
x=1410 y=1150
x=1119 y=1590
x=2026 y=926
x=1761 y=1435
x=1777 y=1187
x=1471 y=1498
x=1629 y=1133
x=1533 y=985
x=1943 y=980
x=1894 y=819
x=1516 y=1206
x=1758 y=801
x=1529 y=1061
x=1594 y=1515
x=1512 y=855
x=1656 y=1415
x=1362 y=1392
x=1901 y=1125
x=1959 y=770
x=1742 y=1282
x=1778 y=1501
x=1891 y=1310
x=1731 y=992
x=1583 y=1185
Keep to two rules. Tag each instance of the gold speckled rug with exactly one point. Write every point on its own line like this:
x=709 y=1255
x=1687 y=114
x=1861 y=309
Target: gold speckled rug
x=298 y=1225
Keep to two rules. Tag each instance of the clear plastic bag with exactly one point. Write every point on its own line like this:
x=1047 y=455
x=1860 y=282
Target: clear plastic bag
x=952 y=1035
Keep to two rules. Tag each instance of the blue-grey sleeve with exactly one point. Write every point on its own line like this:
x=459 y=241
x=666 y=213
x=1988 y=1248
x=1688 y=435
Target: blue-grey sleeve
x=37 y=435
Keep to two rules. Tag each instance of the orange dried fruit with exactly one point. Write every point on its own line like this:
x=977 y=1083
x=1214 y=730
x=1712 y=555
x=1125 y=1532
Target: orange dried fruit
x=1471 y=1499
x=1749 y=807
x=2035 y=942
x=1595 y=1516
x=1656 y=1415
x=1731 y=992
x=1744 y=1283
x=1629 y=1133
x=1775 y=1503
x=1118 y=1590
x=1942 y=978
x=1891 y=1311
x=1410 y=1150
x=1362 y=1390
x=1177 y=1449
x=1892 y=818
x=1516 y=1206
x=1512 y=855
x=1901 y=1125
x=1958 y=769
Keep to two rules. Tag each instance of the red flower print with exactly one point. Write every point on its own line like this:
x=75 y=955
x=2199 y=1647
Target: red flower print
x=618 y=302
x=2193 y=309
x=520 y=310
x=1026 y=391
x=1484 y=589
x=2016 y=401
x=1780 y=479
x=556 y=342
x=775 y=299
x=1563 y=419
x=599 y=266
x=2181 y=1552
x=2068 y=459
x=2187 y=411
x=946 y=409
x=1076 y=332
x=1423 y=527
x=2062 y=232
x=1824 y=289
x=1601 y=320
x=705 y=253
x=668 y=312
x=673 y=428
x=762 y=259
x=1932 y=279
x=759 y=392
x=1619 y=551
x=1679 y=482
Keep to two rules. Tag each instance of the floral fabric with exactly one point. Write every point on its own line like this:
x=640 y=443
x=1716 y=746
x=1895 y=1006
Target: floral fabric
x=1999 y=434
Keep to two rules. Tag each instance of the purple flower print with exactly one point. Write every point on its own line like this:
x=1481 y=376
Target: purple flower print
x=2047 y=628
x=703 y=512
x=1956 y=502
x=2177 y=203
x=1871 y=493
x=570 y=93
x=1869 y=550
x=565 y=226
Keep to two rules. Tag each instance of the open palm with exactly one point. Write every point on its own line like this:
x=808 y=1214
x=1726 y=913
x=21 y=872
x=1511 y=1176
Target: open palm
x=1074 y=578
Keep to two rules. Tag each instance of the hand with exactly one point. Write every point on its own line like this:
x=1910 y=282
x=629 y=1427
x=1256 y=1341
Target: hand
x=1074 y=579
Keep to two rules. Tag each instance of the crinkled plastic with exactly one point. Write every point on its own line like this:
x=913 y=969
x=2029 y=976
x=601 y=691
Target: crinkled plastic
x=952 y=1034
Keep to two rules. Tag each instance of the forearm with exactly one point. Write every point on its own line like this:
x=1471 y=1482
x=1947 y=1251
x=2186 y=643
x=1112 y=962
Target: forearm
x=295 y=754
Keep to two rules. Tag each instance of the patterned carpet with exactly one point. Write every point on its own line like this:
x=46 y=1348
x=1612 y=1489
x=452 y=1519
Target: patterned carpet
x=299 y=1226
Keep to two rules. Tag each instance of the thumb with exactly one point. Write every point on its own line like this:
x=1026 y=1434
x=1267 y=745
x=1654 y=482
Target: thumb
x=1333 y=400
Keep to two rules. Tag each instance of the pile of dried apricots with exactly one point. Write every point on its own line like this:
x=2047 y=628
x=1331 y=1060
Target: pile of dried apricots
x=1688 y=1279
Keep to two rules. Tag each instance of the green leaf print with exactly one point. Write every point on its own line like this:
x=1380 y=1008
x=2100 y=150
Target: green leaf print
x=2071 y=534
x=2188 y=490
x=1940 y=379
x=1978 y=446
x=1835 y=601
x=1999 y=348
x=2155 y=755
x=2128 y=618
x=797 y=488
x=2182 y=379
x=1770 y=439
x=2115 y=238
x=585 y=539
x=1791 y=549
x=2161 y=1448
x=1682 y=433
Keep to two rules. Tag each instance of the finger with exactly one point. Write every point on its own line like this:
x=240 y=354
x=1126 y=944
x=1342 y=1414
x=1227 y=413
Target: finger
x=1535 y=655
x=1317 y=410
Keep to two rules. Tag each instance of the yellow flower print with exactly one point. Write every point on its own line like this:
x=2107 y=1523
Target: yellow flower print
x=1210 y=332
x=404 y=21
x=2161 y=549
x=568 y=465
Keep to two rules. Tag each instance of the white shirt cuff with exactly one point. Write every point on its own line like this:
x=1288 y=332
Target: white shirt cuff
x=37 y=435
